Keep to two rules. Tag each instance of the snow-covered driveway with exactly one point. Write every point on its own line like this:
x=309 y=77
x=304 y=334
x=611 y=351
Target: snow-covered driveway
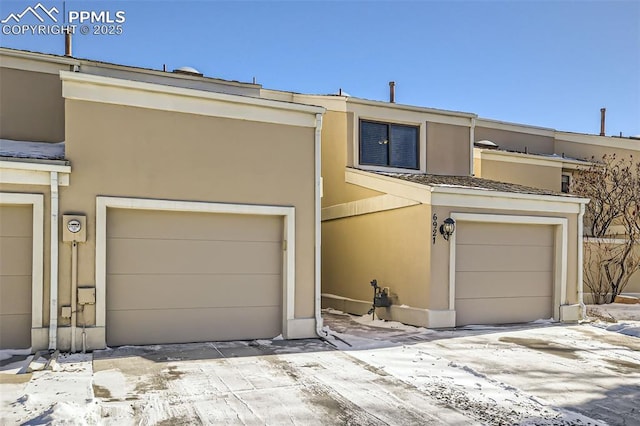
x=536 y=374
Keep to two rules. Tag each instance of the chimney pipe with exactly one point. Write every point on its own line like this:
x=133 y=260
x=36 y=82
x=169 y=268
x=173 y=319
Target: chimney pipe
x=392 y=92
x=603 y=112
x=67 y=42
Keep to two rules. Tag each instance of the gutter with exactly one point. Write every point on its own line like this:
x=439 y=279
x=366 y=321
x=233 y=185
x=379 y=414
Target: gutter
x=53 y=291
x=318 y=217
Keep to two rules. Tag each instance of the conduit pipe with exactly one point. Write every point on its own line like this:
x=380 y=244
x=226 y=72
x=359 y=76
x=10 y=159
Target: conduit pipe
x=318 y=243
x=580 y=261
x=53 y=277
x=74 y=292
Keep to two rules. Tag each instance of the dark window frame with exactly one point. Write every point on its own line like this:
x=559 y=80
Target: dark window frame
x=568 y=183
x=389 y=125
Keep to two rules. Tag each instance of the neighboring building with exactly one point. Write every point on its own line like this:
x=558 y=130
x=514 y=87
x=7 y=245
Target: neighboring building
x=392 y=174
x=199 y=201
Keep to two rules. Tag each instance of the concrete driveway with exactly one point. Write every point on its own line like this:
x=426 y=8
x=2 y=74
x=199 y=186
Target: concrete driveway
x=362 y=374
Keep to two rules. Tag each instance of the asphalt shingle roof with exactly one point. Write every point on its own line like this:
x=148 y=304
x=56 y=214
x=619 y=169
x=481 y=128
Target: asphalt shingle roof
x=470 y=182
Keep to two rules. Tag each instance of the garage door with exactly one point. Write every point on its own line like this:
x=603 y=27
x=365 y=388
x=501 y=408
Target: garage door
x=177 y=277
x=16 y=228
x=504 y=273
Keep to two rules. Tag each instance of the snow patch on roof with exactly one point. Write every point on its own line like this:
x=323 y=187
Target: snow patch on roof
x=35 y=150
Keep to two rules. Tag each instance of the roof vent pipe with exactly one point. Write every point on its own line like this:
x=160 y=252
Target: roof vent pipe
x=392 y=92
x=67 y=42
x=603 y=112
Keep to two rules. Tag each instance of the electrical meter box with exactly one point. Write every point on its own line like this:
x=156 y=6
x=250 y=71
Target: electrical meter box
x=86 y=295
x=74 y=228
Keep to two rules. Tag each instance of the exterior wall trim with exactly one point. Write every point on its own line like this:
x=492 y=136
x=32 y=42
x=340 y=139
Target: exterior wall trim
x=606 y=141
x=365 y=206
x=38 y=339
x=463 y=197
x=25 y=173
x=289 y=267
x=532 y=159
x=86 y=87
x=561 y=247
x=513 y=127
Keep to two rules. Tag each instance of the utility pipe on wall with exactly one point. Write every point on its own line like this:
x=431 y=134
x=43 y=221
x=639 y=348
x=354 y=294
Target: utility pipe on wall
x=74 y=291
x=318 y=212
x=580 y=260
x=53 y=278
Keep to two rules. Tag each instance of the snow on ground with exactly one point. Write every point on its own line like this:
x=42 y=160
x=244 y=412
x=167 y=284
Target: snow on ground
x=625 y=317
x=364 y=372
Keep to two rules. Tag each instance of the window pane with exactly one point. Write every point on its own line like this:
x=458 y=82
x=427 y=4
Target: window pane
x=404 y=147
x=373 y=144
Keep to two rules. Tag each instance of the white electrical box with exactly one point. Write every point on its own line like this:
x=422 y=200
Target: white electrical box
x=86 y=295
x=74 y=228
x=65 y=312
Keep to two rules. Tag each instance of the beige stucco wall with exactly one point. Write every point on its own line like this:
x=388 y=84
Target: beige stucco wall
x=390 y=246
x=534 y=175
x=31 y=106
x=37 y=189
x=516 y=141
x=135 y=152
x=589 y=151
x=337 y=142
x=448 y=149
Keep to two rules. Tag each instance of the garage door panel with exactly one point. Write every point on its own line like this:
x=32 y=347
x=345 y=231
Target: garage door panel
x=176 y=277
x=162 y=256
x=15 y=256
x=504 y=272
x=16 y=221
x=193 y=226
x=503 y=284
x=502 y=258
x=204 y=325
x=15 y=295
x=16 y=252
x=197 y=291
x=502 y=310
x=504 y=234
x=15 y=331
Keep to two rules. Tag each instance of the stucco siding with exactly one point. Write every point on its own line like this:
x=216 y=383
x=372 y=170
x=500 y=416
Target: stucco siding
x=391 y=247
x=516 y=141
x=134 y=152
x=448 y=149
x=31 y=106
x=537 y=176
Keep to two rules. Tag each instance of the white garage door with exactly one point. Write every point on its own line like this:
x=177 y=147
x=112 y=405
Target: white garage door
x=177 y=277
x=16 y=242
x=504 y=273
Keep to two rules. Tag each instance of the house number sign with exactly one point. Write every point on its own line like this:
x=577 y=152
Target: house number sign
x=434 y=227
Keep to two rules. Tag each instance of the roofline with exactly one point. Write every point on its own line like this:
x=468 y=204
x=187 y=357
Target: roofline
x=405 y=107
x=535 y=158
x=65 y=60
x=44 y=57
x=471 y=191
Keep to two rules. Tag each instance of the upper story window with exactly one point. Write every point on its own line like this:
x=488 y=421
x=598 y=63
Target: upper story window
x=389 y=145
x=566 y=183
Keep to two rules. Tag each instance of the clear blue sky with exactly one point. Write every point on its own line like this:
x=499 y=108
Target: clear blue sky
x=547 y=63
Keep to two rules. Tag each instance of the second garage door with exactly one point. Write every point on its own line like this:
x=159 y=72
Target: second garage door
x=504 y=273
x=16 y=240
x=177 y=277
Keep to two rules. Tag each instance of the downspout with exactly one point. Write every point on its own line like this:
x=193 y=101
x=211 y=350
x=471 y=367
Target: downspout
x=580 y=261
x=53 y=278
x=318 y=245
